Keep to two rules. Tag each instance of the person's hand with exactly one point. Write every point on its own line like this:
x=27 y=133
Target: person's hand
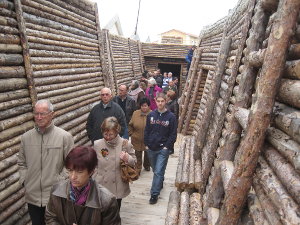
x=124 y=156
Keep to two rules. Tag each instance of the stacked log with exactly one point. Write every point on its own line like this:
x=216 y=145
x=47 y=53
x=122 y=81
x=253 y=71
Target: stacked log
x=15 y=97
x=188 y=169
x=184 y=209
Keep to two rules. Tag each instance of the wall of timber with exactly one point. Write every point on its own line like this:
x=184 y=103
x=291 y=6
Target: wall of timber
x=236 y=61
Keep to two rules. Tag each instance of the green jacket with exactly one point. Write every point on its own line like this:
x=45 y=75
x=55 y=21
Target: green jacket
x=101 y=207
x=41 y=162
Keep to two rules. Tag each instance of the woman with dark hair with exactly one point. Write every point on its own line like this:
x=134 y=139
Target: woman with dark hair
x=110 y=151
x=79 y=200
x=136 y=129
x=172 y=104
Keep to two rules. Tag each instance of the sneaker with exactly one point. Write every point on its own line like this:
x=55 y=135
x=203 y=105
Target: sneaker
x=153 y=199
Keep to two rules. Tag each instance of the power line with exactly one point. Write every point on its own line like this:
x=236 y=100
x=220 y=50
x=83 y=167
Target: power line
x=137 y=19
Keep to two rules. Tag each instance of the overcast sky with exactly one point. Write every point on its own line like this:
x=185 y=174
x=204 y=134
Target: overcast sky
x=158 y=16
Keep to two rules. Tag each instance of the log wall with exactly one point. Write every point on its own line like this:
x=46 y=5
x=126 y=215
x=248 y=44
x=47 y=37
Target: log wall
x=222 y=124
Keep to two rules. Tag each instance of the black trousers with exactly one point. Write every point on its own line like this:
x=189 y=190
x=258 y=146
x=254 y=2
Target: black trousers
x=119 y=200
x=37 y=214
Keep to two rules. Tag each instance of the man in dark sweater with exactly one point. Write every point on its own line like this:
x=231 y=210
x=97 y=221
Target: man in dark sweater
x=159 y=138
x=127 y=104
x=99 y=112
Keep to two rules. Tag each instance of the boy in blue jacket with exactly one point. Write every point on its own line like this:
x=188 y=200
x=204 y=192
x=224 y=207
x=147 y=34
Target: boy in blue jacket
x=159 y=138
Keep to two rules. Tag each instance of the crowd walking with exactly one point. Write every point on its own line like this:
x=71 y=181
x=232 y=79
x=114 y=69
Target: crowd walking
x=68 y=184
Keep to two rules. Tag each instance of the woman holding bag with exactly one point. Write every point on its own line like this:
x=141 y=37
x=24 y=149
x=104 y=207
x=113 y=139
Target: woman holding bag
x=110 y=151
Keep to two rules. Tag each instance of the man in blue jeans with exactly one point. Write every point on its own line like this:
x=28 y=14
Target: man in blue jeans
x=159 y=137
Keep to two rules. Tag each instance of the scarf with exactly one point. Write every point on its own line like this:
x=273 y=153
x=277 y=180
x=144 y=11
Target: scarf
x=113 y=143
x=79 y=197
x=151 y=92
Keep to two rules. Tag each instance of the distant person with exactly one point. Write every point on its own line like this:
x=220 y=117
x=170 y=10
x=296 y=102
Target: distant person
x=172 y=104
x=189 y=57
x=158 y=78
x=99 y=112
x=136 y=130
x=152 y=91
x=165 y=80
x=136 y=92
x=110 y=151
x=171 y=87
x=79 y=199
x=159 y=138
x=41 y=159
x=127 y=104
x=144 y=85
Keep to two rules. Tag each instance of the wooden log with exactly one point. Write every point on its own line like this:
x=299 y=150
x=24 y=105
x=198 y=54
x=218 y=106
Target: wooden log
x=182 y=150
x=13 y=198
x=186 y=166
x=294 y=51
x=13 y=95
x=12 y=72
x=25 y=219
x=216 y=82
x=13 y=84
x=287 y=208
x=19 y=215
x=256 y=58
x=7 y=5
x=9 y=151
x=9 y=180
x=26 y=55
x=270 y=211
x=12 y=160
x=289 y=92
x=14 y=103
x=212 y=216
x=284 y=171
x=197 y=173
x=191 y=182
x=194 y=96
x=260 y=116
x=226 y=168
x=14 y=131
x=63 y=66
x=287 y=119
x=292 y=69
x=256 y=210
x=195 y=209
x=44 y=53
x=7 y=172
x=10 y=190
x=184 y=209
x=285 y=145
x=10 y=48
x=173 y=208
x=10 y=59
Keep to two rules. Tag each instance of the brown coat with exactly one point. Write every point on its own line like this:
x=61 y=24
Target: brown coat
x=108 y=173
x=136 y=129
x=101 y=207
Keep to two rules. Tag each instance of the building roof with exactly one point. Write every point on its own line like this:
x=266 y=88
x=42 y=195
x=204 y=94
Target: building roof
x=115 y=22
x=193 y=35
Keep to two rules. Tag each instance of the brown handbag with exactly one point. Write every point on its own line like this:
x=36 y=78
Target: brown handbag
x=128 y=173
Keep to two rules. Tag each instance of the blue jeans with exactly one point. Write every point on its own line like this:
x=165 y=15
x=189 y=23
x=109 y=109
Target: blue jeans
x=126 y=135
x=158 y=161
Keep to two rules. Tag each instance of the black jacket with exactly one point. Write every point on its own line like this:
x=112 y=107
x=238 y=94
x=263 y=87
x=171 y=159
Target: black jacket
x=161 y=130
x=173 y=107
x=129 y=105
x=99 y=114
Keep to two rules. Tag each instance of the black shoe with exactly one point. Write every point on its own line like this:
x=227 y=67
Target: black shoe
x=153 y=199
x=147 y=168
x=162 y=185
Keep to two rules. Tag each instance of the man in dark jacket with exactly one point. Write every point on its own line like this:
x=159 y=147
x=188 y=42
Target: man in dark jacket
x=99 y=112
x=159 y=138
x=189 y=57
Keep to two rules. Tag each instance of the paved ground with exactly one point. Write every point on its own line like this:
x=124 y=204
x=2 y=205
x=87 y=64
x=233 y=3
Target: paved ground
x=136 y=209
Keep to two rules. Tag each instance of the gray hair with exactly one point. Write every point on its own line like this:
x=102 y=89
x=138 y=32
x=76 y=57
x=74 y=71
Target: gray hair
x=109 y=90
x=152 y=81
x=45 y=101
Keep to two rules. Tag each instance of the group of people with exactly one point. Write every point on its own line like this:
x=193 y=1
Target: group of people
x=83 y=185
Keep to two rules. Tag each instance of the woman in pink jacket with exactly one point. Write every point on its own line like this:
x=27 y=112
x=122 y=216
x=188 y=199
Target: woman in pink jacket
x=151 y=92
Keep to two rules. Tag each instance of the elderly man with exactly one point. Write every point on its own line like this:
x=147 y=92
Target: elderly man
x=41 y=159
x=99 y=112
x=127 y=104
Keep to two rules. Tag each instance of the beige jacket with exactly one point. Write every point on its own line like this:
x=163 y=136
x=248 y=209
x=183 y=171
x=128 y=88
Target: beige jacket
x=41 y=162
x=108 y=173
x=136 y=128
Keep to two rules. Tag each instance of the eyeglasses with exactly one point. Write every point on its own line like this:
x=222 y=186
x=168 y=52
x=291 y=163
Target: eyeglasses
x=104 y=94
x=43 y=114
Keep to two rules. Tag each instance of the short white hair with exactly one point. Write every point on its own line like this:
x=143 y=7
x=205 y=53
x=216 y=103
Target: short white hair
x=45 y=101
x=152 y=81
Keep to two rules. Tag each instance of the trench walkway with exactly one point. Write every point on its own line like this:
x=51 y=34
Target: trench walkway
x=136 y=210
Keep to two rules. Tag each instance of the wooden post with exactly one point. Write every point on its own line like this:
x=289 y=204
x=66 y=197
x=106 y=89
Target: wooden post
x=259 y=120
x=132 y=63
x=185 y=101
x=26 y=55
x=195 y=94
x=140 y=56
x=107 y=79
x=213 y=95
x=110 y=58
